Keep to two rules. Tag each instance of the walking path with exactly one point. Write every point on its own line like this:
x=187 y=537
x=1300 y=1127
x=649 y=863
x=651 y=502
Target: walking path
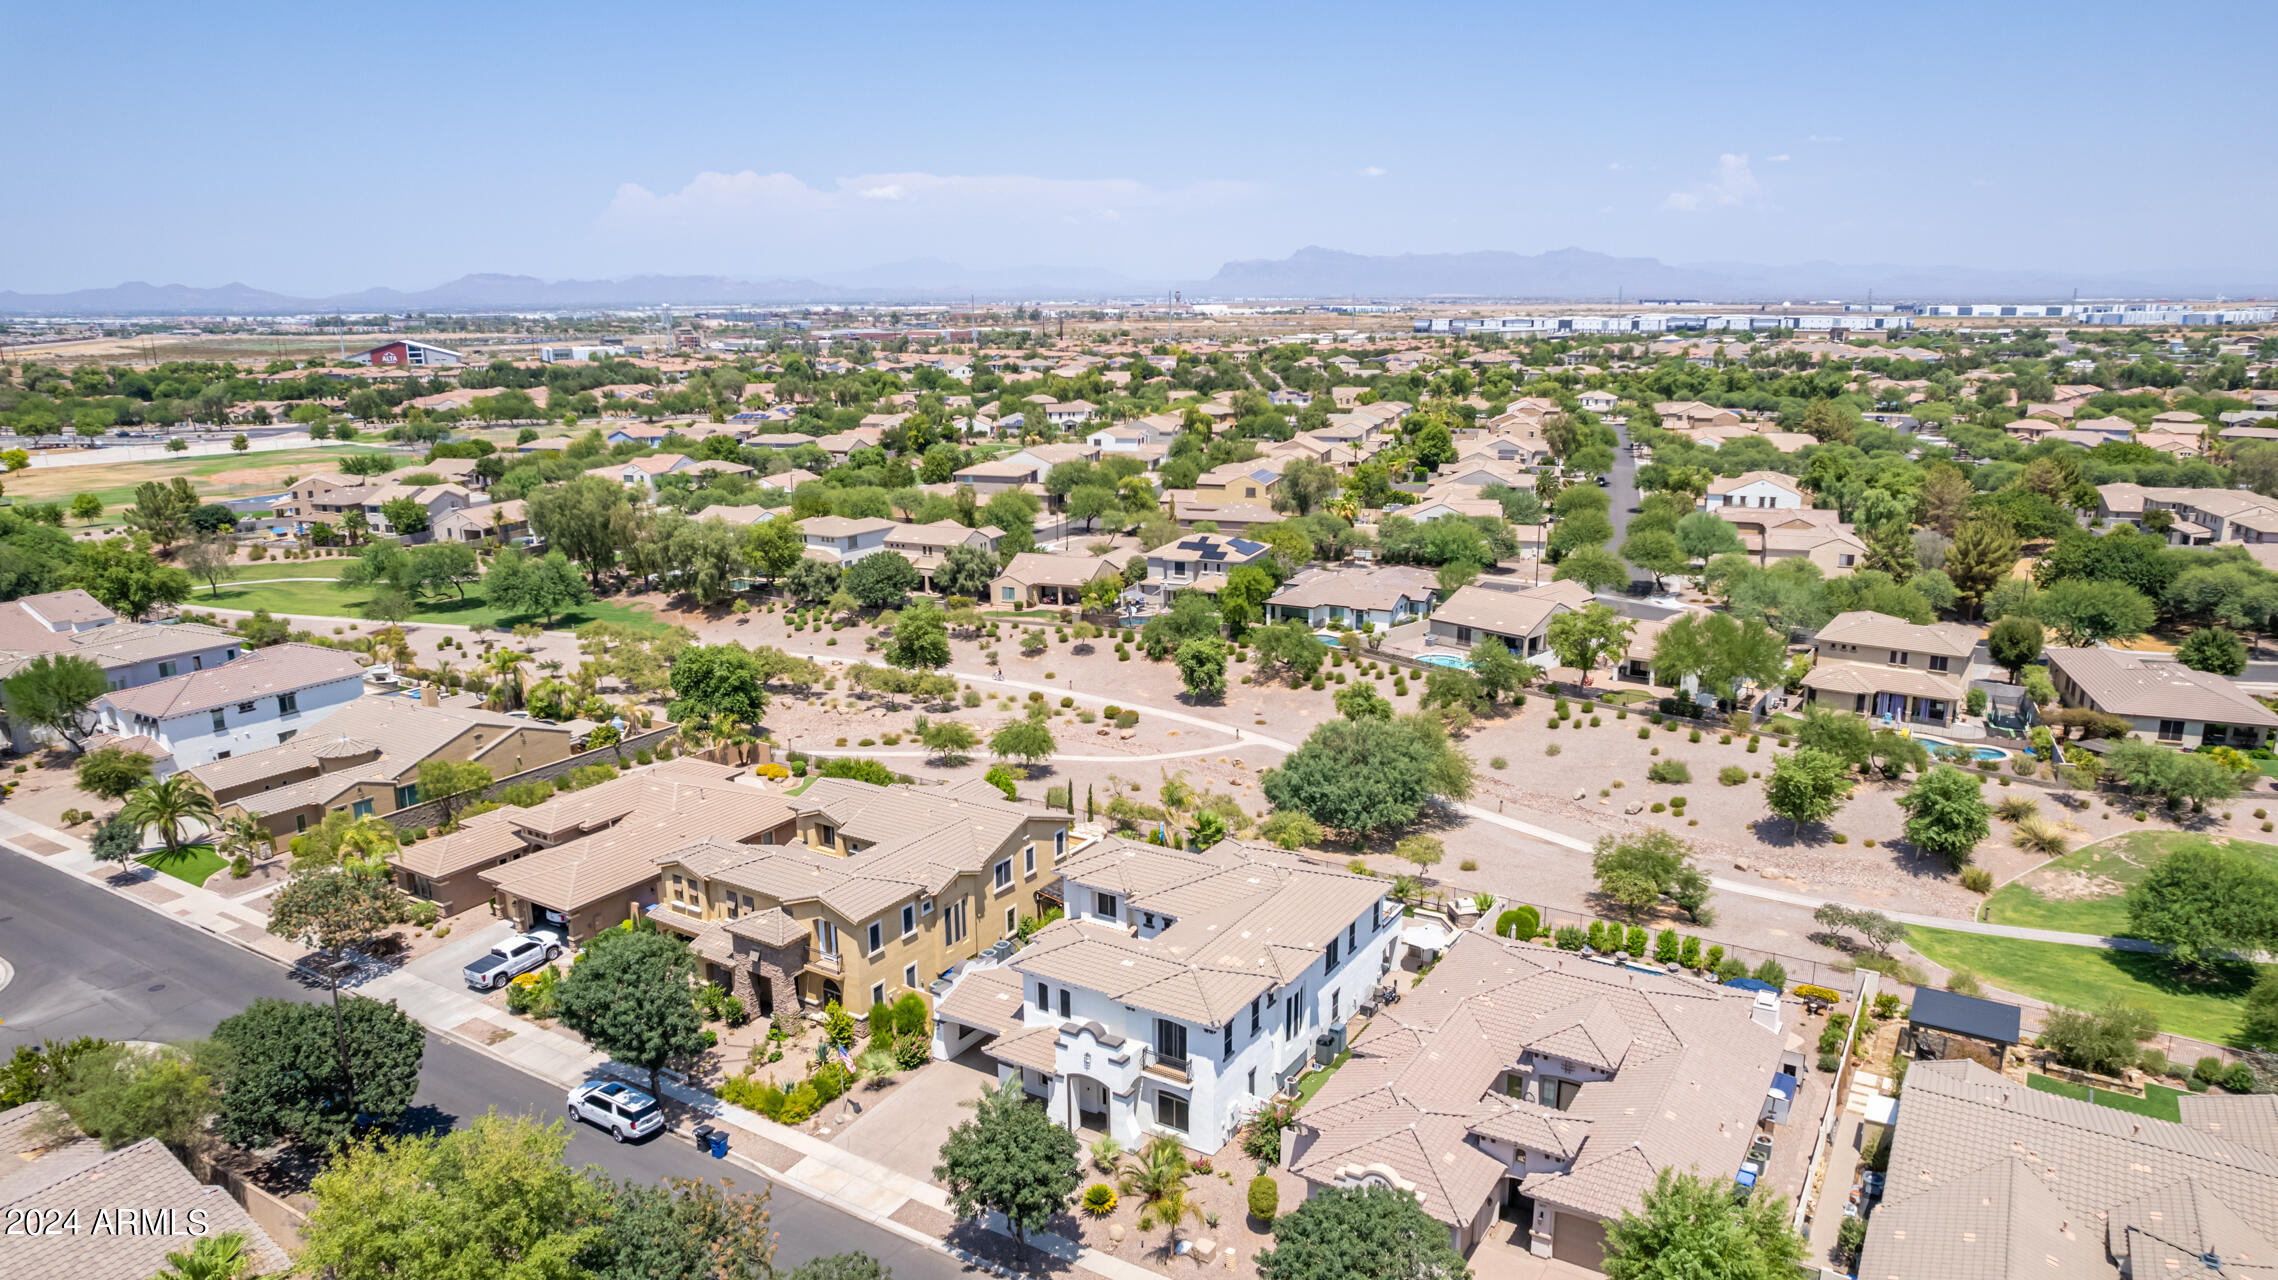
x=862 y=1187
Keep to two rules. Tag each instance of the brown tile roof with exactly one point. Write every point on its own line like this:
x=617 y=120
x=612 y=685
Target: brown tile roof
x=1510 y=613
x=1871 y=630
x=281 y=668
x=2249 y=1118
x=2131 y=684
x=1380 y=588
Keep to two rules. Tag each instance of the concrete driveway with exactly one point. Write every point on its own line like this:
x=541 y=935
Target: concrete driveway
x=442 y=966
x=905 y=1131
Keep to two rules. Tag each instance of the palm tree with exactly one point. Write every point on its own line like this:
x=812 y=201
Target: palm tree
x=508 y=688
x=243 y=836
x=167 y=805
x=220 y=1257
x=1157 y=1175
x=366 y=843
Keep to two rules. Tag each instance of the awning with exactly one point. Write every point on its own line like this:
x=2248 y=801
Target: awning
x=1425 y=936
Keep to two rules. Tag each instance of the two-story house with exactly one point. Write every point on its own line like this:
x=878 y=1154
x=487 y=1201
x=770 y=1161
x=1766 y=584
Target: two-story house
x=265 y=697
x=641 y=474
x=366 y=762
x=1771 y=534
x=1198 y=561
x=842 y=540
x=1523 y=1084
x=1890 y=669
x=880 y=891
x=435 y=499
x=925 y=546
x=1757 y=490
x=991 y=478
x=129 y=654
x=1184 y=989
x=1254 y=481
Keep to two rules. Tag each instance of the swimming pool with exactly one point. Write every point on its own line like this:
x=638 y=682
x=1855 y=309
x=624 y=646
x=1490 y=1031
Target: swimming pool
x=1976 y=753
x=1444 y=660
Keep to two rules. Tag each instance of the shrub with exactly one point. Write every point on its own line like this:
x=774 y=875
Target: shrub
x=1518 y=922
x=1468 y=864
x=1829 y=1062
x=1637 y=941
x=1695 y=736
x=1732 y=775
x=1597 y=937
x=1666 y=947
x=800 y=1103
x=2238 y=1078
x=1977 y=879
x=1840 y=838
x=1963 y=982
x=2154 y=1063
x=1099 y=1199
x=1550 y=749
x=1498 y=762
x=1713 y=957
x=1126 y=719
x=1265 y=1198
x=1571 y=937
x=1689 y=955
x=2207 y=1070
x=1668 y=771
x=1643 y=733
x=1825 y=995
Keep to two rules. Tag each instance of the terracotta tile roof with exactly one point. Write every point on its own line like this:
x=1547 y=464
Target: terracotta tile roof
x=282 y=668
x=1881 y=631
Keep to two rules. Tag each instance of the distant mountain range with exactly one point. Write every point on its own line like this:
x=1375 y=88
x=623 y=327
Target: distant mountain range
x=1562 y=275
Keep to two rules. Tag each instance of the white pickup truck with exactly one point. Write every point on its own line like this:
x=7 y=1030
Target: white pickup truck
x=518 y=954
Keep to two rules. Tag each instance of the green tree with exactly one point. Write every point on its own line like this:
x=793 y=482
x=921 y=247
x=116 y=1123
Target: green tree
x=123 y=1094
x=406 y=516
x=921 y=639
x=689 y=1229
x=1705 y=535
x=774 y=547
x=1655 y=551
x=965 y=571
x=1359 y=700
x=2209 y=906
x=86 y=506
x=1807 y=785
x=1692 y=1228
x=113 y=772
x=1946 y=813
x=1202 y=666
x=1984 y=552
x=209 y=559
x=287 y=1076
x=718 y=680
x=492 y=1199
x=2014 y=643
x=162 y=510
x=1362 y=777
x=1585 y=638
x=1305 y=487
x=546 y=585
x=2176 y=777
x=1027 y=740
x=950 y=741
x=631 y=995
x=1425 y=851
x=338 y=912
x=587 y=519
x=1593 y=567
x=53 y=692
x=883 y=580
x=1639 y=870
x=2214 y=649
x=1243 y=597
x=1500 y=674
x=1156 y=1177
x=1719 y=653
x=222 y=1257
x=452 y=784
x=1009 y=1159
x=2090 y=611
x=170 y=806
x=127 y=582
x=1360 y=1233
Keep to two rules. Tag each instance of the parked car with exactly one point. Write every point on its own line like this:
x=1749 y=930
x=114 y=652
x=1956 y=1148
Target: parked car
x=623 y=1110
x=518 y=954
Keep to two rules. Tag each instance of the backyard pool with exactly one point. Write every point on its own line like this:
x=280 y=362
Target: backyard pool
x=1975 y=752
x=1444 y=660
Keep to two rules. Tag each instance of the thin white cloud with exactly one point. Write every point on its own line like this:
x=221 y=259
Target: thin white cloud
x=1733 y=185
x=1823 y=138
x=1781 y=158
x=1613 y=166
x=1373 y=171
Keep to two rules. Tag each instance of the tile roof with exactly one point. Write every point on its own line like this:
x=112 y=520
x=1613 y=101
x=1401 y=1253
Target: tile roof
x=371 y=739
x=1510 y=613
x=281 y=668
x=1882 y=631
x=1379 y=588
x=2133 y=684
x=2249 y=1118
x=121 y=644
x=65 y=607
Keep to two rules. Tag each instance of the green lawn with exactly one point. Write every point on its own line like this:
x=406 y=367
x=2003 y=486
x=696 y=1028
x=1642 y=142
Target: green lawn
x=2158 y=1101
x=114 y=483
x=1313 y=1080
x=193 y=864
x=2089 y=977
x=2085 y=891
x=322 y=597
x=278 y=568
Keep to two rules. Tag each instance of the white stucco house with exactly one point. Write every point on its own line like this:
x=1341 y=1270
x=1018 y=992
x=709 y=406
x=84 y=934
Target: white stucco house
x=262 y=699
x=1759 y=489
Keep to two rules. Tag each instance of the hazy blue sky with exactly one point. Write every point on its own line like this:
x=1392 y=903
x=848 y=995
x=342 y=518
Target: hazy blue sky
x=314 y=148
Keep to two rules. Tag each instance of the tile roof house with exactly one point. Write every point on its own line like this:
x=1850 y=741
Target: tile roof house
x=490 y=522
x=266 y=697
x=1770 y=534
x=366 y=762
x=1198 y=561
x=1890 y=669
x=1184 y=989
x=1756 y=490
x=1385 y=596
x=132 y=1206
x=926 y=545
x=1041 y=578
x=130 y=654
x=2196 y=517
x=878 y=892
x=642 y=474
x=2163 y=700
x=1545 y=1086
x=842 y=540
x=1519 y=618
x=1991 y=1180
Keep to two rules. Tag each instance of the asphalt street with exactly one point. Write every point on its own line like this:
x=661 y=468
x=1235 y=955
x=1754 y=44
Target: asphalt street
x=88 y=963
x=1621 y=487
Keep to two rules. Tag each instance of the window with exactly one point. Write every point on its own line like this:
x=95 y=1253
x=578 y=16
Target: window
x=1227 y=1051
x=167 y=669
x=1941 y=663
x=1012 y=921
x=222 y=755
x=1331 y=960
x=825 y=835
x=1060 y=844
x=197 y=662
x=876 y=937
x=1147 y=918
x=1253 y=1082
x=909 y=919
x=286 y=736
x=910 y=976
x=288 y=704
x=405 y=797
x=1334 y=997
x=245 y=708
x=1044 y=996
x=361 y=809
x=2171 y=731
x=676 y=889
x=925 y=908
x=221 y=724
x=300 y=822
x=1170 y=1111
x=953 y=923
x=1104 y=904
x=1064 y=1002
x=826 y=938
x=1004 y=874
x=1028 y=861
x=877 y=993
x=1352 y=936
x=1254 y=1016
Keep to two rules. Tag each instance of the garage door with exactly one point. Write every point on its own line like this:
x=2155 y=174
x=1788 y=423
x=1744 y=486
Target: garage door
x=1581 y=1241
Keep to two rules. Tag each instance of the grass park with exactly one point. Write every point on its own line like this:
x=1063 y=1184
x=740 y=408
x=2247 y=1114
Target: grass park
x=218 y=477
x=2091 y=977
x=2085 y=891
x=312 y=588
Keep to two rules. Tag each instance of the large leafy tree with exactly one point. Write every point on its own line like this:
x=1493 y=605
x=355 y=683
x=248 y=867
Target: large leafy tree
x=1691 y=1228
x=1946 y=813
x=2014 y=642
x=714 y=680
x=2089 y=611
x=337 y=911
x=1500 y=674
x=2177 y=777
x=53 y=692
x=2214 y=649
x=882 y=580
x=113 y=772
x=1718 y=652
x=1362 y=777
x=1202 y=666
x=545 y=585
x=1360 y=1233
x=2208 y=906
x=492 y=1199
x=1639 y=870
x=127 y=581
x=688 y=1229
x=1592 y=566
x=452 y=783
x=1009 y=1159
x=1657 y=552
x=1028 y=740
x=774 y=546
x=1705 y=535
x=288 y=1077
x=965 y=571
x=921 y=638
x=631 y=994
x=1585 y=638
x=587 y=519
x=1807 y=785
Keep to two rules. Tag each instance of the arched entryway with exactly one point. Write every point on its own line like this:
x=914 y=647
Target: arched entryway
x=1086 y=1101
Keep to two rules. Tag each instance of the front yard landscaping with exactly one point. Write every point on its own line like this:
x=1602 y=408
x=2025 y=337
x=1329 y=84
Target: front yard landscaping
x=2090 y=977
x=191 y=865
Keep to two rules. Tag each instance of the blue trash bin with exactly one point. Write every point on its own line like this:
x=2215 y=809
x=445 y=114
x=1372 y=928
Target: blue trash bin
x=718 y=1144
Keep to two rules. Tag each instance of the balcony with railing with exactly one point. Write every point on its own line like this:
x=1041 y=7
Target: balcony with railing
x=825 y=963
x=1162 y=1065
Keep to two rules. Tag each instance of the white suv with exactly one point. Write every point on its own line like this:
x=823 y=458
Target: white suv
x=623 y=1110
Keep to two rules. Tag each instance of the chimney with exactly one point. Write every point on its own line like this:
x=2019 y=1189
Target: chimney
x=1766 y=1013
x=427 y=696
